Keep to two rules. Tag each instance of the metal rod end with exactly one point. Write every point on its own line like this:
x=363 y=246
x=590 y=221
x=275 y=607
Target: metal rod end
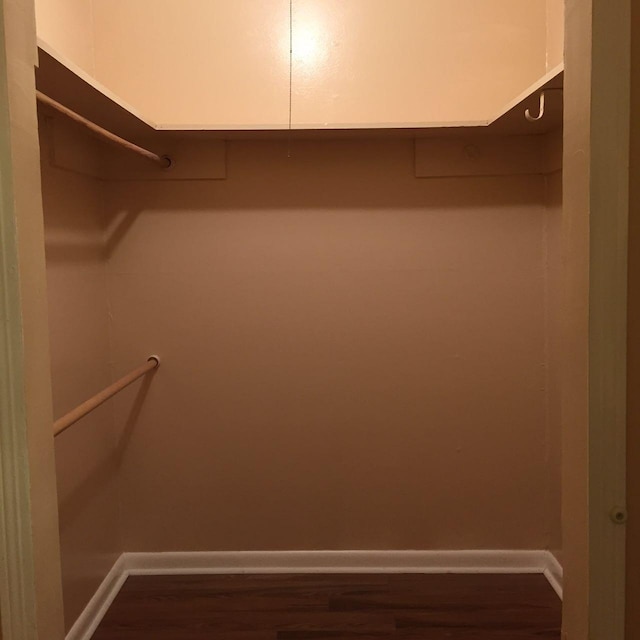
x=156 y=358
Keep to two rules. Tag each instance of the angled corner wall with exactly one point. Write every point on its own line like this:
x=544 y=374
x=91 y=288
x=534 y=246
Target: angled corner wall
x=81 y=365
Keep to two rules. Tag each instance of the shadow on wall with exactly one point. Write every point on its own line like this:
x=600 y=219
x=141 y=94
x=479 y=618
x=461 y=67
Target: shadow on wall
x=349 y=177
x=322 y=175
x=65 y=245
x=101 y=473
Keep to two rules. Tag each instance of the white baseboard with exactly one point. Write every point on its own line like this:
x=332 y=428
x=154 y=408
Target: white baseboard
x=217 y=562
x=553 y=573
x=88 y=621
x=337 y=562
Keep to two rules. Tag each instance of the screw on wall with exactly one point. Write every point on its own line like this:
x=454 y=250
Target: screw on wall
x=618 y=515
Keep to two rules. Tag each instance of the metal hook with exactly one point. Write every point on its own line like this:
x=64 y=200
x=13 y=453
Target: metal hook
x=527 y=113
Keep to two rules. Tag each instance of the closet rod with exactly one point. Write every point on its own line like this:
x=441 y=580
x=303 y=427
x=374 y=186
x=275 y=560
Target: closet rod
x=163 y=161
x=92 y=403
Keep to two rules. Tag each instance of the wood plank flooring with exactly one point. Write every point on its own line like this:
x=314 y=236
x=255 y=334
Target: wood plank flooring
x=353 y=606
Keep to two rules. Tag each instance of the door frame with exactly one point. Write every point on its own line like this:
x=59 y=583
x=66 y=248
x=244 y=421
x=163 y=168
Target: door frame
x=17 y=577
x=30 y=574
x=596 y=210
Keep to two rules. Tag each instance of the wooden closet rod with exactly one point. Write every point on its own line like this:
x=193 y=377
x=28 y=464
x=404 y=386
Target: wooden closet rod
x=92 y=403
x=163 y=161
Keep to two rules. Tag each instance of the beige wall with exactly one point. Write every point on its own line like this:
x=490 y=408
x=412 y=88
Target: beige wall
x=575 y=356
x=366 y=63
x=67 y=25
x=372 y=62
x=442 y=61
x=554 y=307
x=197 y=61
x=633 y=355
x=555 y=33
x=351 y=357
x=86 y=455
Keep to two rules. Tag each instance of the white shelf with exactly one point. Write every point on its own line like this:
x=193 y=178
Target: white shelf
x=65 y=82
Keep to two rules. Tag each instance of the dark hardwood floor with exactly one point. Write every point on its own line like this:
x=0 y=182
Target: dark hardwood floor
x=296 y=607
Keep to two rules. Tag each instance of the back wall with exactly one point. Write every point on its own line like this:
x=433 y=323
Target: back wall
x=352 y=358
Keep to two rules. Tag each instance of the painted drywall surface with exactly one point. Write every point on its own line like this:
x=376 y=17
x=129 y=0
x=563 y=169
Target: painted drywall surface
x=86 y=454
x=225 y=65
x=575 y=329
x=67 y=25
x=367 y=62
x=197 y=61
x=555 y=33
x=351 y=357
x=554 y=310
x=608 y=190
x=633 y=355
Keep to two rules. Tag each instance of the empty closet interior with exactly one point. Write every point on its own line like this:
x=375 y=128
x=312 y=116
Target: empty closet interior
x=349 y=273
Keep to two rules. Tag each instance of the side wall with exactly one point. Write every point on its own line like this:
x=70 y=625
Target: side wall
x=86 y=455
x=353 y=358
x=554 y=308
x=351 y=62
x=575 y=329
x=67 y=25
x=370 y=62
x=633 y=354
x=555 y=33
